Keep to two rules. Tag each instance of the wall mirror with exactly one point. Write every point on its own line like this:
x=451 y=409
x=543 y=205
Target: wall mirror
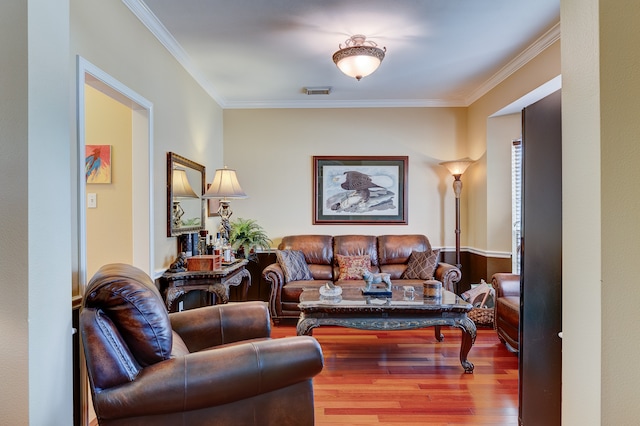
x=185 y=187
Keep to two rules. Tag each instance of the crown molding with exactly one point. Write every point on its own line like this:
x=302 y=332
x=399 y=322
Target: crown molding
x=546 y=40
x=374 y=103
x=153 y=24
x=148 y=19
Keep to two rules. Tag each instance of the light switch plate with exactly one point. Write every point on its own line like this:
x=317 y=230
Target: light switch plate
x=92 y=200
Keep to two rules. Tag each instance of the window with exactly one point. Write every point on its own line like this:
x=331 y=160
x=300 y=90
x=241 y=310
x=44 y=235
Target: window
x=516 y=203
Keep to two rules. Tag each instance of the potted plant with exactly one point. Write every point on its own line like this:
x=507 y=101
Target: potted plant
x=247 y=236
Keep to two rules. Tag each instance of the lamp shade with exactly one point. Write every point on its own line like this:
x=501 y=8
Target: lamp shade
x=457 y=167
x=225 y=185
x=180 y=186
x=358 y=59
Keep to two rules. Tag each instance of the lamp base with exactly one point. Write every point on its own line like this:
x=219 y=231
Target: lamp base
x=225 y=213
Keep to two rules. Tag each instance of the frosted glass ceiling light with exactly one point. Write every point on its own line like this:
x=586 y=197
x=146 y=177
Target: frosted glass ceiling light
x=359 y=57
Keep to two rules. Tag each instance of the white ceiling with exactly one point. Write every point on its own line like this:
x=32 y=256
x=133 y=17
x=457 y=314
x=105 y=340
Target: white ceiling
x=259 y=53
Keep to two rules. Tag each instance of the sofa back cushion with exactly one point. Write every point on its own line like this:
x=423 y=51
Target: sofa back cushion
x=318 y=253
x=355 y=245
x=394 y=251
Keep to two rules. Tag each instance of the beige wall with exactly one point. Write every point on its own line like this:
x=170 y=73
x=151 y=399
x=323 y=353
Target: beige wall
x=186 y=119
x=619 y=159
x=274 y=147
x=582 y=315
x=481 y=199
x=14 y=215
x=109 y=225
x=35 y=245
x=501 y=131
x=272 y=150
x=600 y=62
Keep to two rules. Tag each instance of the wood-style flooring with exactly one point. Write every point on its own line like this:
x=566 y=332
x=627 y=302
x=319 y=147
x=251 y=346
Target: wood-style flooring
x=406 y=378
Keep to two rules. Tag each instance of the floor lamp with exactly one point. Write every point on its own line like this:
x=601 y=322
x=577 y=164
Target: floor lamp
x=225 y=186
x=457 y=168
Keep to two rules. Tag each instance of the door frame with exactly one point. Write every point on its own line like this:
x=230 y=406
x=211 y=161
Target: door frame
x=142 y=157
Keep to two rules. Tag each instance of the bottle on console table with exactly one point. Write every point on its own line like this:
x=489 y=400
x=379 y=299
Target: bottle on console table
x=226 y=253
x=217 y=245
x=210 y=245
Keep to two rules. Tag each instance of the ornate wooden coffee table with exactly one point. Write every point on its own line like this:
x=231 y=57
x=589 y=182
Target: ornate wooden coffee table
x=352 y=309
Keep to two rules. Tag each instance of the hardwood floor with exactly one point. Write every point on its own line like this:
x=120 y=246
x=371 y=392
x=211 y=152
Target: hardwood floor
x=401 y=378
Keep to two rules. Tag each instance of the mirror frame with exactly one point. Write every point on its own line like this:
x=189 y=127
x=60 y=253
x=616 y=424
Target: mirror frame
x=174 y=160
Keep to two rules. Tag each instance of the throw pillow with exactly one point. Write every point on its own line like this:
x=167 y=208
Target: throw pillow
x=421 y=265
x=293 y=265
x=352 y=267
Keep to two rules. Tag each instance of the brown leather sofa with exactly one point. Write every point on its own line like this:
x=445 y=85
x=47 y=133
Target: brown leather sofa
x=388 y=253
x=507 y=309
x=212 y=365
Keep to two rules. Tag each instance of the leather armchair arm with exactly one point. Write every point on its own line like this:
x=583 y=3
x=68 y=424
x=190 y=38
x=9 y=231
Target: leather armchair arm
x=214 y=377
x=220 y=324
x=273 y=275
x=448 y=275
x=506 y=284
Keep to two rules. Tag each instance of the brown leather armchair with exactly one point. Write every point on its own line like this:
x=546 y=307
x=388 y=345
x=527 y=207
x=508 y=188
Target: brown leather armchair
x=212 y=365
x=507 y=309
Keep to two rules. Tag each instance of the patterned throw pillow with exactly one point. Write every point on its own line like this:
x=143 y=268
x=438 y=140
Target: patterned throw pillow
x=421 y=265
x=293 y=265
x=352 y=267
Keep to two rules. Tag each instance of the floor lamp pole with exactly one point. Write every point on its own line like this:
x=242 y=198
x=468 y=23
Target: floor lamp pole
x=457 y=189
x=457 y=168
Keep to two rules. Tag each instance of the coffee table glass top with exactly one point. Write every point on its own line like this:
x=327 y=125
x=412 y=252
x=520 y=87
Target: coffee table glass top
x=352 y=298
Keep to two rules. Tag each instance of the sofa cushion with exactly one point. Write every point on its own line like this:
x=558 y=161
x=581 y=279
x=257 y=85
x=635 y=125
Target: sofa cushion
x=317 y=249
x=293 y=265
x=396 y=249
x=422 y=265
x=352 y=267
x=356 y=245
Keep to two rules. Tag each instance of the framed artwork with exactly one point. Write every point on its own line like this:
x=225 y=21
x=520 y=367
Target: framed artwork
x=97 y=163
x=360 y=190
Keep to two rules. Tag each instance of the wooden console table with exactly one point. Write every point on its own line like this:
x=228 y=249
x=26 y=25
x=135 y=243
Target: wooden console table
x=217 y=283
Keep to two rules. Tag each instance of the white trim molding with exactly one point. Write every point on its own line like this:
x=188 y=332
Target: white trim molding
x=479 y=252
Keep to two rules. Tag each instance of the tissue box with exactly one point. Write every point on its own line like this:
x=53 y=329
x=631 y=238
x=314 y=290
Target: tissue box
x=204 y=263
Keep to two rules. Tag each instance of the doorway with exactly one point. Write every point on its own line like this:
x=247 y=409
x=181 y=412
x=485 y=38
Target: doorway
x=138 y=207
x=122 y=126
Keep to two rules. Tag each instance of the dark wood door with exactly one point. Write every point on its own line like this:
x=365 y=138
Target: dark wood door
x=541 y=269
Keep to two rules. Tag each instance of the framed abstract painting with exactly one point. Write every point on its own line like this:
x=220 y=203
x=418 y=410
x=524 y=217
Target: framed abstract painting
x=97 y=163
x=360 y=190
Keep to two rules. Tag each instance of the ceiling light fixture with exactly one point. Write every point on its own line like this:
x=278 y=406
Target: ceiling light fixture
x=359 y=57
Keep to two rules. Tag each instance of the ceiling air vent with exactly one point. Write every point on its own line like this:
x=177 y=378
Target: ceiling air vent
x=317 y=90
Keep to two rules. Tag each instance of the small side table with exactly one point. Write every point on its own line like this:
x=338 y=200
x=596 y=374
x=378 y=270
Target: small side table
x=217 y=283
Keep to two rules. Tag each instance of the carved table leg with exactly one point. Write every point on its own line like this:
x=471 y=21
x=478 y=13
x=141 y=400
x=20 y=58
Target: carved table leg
x=469 y=332
x=220 y=291
x=306 y=325
x=438 y=333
